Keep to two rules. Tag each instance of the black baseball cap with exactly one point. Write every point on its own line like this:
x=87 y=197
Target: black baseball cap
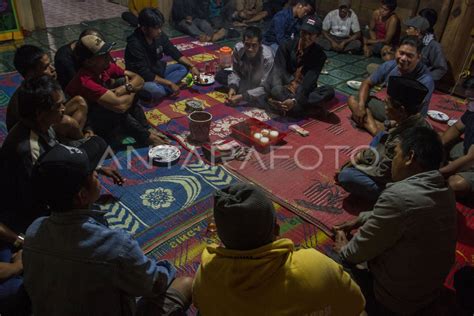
x=312 y=24
x=64 y=169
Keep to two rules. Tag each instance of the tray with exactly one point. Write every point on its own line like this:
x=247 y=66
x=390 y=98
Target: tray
x=244 y=132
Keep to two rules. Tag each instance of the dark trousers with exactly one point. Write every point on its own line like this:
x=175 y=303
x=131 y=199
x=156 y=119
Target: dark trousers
x=304 y=103
x=111 y=125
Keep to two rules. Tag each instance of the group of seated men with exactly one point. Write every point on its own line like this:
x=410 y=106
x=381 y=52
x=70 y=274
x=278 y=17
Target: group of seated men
x=73 y=264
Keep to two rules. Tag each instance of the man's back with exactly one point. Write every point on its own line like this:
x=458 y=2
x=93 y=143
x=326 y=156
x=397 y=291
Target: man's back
x=409 y=240
x=273 y=280
x=75 y=265
x=18 y=154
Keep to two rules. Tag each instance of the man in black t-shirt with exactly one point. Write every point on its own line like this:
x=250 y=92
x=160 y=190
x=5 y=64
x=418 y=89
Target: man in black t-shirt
x=298 y=63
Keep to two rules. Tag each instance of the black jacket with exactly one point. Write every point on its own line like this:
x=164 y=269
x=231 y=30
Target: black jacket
x=285 y=66
x=145 y=59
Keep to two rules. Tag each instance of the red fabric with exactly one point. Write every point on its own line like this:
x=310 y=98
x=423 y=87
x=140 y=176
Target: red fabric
x=380 y=30
x=312 y=192
x=91 y=86
x=452 y=106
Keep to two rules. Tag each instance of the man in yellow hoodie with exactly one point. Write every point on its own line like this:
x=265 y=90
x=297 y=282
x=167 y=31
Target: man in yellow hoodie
x=258 y=274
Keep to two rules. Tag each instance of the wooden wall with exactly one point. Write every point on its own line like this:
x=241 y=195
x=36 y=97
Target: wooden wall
x=453 y=29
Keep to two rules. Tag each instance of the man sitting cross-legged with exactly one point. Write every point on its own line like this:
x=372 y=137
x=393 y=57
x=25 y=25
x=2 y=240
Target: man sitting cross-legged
x=341 y=29
x=74 y=264
x=32 y=62
x=189 y=16
x=251 y=66
x=111 y=93
x=292 y=84
x=407 y=63
x=143 y=54
x=409 y=238
x=372 y=169
x=255 y=273
x=250 y=11
x=460 y=169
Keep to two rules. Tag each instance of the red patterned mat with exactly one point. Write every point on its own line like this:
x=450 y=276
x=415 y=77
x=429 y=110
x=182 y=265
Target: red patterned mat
x=300 y=174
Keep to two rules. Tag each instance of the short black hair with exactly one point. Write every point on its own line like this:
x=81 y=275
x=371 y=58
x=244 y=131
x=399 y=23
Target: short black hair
x=425 y=144
x=27 y=58
x=431 y=16
x=391 y=4
x=304 y=3
x=412 y=40
x=252 y=32
x=35 y=95
x=151 y=17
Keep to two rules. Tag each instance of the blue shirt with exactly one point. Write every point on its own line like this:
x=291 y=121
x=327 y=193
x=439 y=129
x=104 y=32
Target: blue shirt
x=421 y=74
x=75 y=265
x=468 y=120
x=214 y=9
x=282 y=26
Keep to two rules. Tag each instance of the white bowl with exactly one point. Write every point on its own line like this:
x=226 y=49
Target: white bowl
x=354 y=84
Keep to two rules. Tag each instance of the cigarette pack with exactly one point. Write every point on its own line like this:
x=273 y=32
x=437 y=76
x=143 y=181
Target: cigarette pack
x=298 y=129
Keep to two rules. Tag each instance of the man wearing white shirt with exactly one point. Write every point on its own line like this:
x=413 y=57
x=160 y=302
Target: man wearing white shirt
x=341 y=29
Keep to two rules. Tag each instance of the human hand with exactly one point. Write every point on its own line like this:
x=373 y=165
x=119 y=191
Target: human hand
x=189 y=19
x=231 y=93
x=233 y=100
x=174 y=88
x=367 y=51
x=347 y=226
x=288 y=104
x=340 y=240
x=359 y=115
x=113 y=174
x=195 y=71
x=17 y=259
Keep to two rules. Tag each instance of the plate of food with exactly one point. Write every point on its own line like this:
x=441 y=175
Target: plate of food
x=205 y=79
x=438 y=116
x=354 y=84
x=164 y=154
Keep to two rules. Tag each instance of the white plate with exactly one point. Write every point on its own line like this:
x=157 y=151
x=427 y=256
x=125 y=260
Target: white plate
x=354 y=84
x=438 y=116
x=452 y=122
x=164 y=153
x=205 y=80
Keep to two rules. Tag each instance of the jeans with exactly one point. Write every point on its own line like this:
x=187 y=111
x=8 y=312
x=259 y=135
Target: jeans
x=173 y=73
x=13 y=297
x=359 y=184
x=197 y=28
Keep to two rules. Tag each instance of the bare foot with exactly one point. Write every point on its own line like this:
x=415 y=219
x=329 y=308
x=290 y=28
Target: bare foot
x=205 y=38
x=217 y=36
x=239 y=24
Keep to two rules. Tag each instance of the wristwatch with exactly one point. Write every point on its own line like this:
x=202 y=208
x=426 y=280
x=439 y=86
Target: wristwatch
x=129 y=87
x=19 y=240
